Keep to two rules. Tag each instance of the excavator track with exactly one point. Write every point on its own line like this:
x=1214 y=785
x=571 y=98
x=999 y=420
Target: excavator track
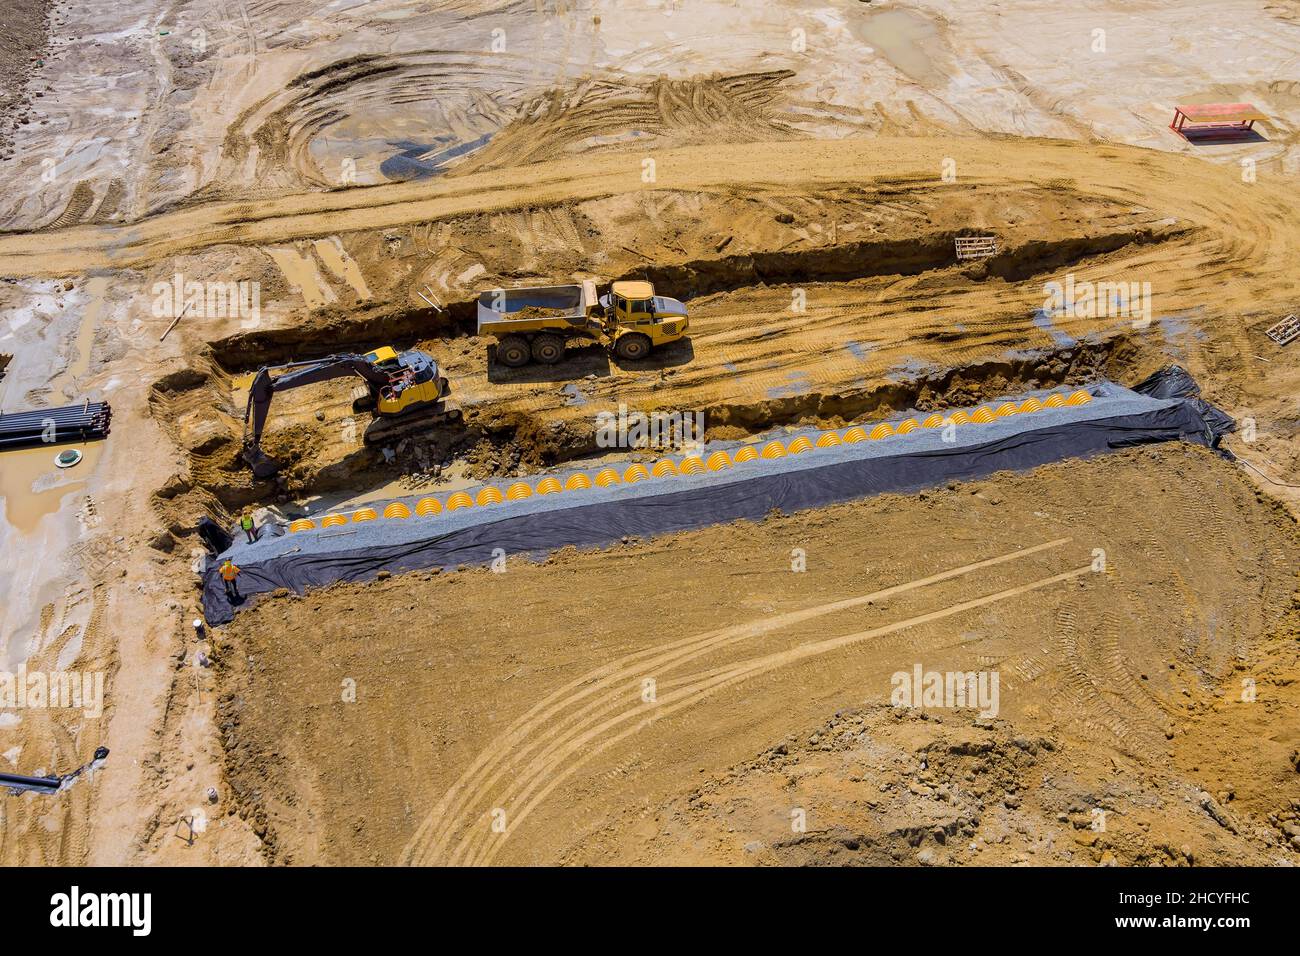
x=392 y=428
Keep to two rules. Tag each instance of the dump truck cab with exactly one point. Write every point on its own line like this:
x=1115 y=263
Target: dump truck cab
x=639 y=320
x=534 y=323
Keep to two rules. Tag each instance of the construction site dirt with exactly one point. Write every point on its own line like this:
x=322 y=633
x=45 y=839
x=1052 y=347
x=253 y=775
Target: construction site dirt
x=404 y=744
x=304 y=181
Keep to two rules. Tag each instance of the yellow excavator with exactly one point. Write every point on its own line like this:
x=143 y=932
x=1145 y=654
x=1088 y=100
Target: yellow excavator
x=405 y=391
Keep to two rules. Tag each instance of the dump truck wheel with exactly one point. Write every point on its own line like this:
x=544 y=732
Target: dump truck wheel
x=548 y=349
x=632 y=346
x=513 y=351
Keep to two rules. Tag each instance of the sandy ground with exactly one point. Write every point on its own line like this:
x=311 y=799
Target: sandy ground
x=346 y=163
x=399 y=723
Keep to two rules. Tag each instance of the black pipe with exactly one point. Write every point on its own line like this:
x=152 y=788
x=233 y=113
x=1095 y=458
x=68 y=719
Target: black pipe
x=15 y=444
x=66 y=427
x=43 y=422
x=62 y=411
x=39 y=784
x=17 y=782
x=61 y=423
x=85 y=422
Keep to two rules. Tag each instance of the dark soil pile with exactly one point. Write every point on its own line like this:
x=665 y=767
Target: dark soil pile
x=24 y=35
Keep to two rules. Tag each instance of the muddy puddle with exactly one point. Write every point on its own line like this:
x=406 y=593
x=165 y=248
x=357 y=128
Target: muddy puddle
x=910 y=41
x=32 y=486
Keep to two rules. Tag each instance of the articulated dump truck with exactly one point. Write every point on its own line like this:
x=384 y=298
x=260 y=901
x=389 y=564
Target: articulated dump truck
x=533 y=324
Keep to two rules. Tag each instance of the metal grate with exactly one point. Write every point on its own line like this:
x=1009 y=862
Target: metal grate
x=976 y=247
x=1286 y=330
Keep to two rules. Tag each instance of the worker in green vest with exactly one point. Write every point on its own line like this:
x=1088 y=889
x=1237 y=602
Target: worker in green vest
x=249 y=526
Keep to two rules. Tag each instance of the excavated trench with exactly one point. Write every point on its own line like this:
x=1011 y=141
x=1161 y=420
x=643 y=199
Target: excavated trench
x=516 y=443
x=339 y=328
x=1119 y=357
x=195 y=405
x=845 y=262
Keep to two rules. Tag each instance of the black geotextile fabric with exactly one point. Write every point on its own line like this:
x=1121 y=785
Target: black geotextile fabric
x=605 y=522
x=1173 y=381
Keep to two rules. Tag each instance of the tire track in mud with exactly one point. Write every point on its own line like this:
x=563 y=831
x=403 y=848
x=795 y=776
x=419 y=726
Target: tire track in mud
x=1110 y=662
x=538 y=725
x=1091 y=686
x=479 y=846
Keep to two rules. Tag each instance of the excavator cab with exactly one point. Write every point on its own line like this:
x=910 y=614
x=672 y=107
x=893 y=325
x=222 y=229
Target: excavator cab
x=413 y=380
x=642 y=320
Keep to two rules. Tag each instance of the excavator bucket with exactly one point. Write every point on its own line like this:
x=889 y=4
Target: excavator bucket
x=263 y=465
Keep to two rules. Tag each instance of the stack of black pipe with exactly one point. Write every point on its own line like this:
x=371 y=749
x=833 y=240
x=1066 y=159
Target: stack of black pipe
x=46 y=426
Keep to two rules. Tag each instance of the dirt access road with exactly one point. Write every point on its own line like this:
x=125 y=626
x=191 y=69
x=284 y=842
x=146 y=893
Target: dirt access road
x=1209 y=196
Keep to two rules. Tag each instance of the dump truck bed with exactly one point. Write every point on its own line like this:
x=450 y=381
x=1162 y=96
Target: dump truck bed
x=535 y=308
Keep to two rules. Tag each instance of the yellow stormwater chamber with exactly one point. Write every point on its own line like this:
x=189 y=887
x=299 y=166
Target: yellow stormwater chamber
x=693 y=465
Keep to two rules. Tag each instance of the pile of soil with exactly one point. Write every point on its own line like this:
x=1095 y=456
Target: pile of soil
x=538 y=312
x=24 y=36
x=897 y=786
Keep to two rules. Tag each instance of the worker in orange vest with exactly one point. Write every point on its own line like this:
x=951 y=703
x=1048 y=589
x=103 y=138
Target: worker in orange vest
x=228 y=574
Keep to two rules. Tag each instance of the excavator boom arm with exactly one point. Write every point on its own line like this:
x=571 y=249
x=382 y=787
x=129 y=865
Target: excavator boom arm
x=265 y=385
